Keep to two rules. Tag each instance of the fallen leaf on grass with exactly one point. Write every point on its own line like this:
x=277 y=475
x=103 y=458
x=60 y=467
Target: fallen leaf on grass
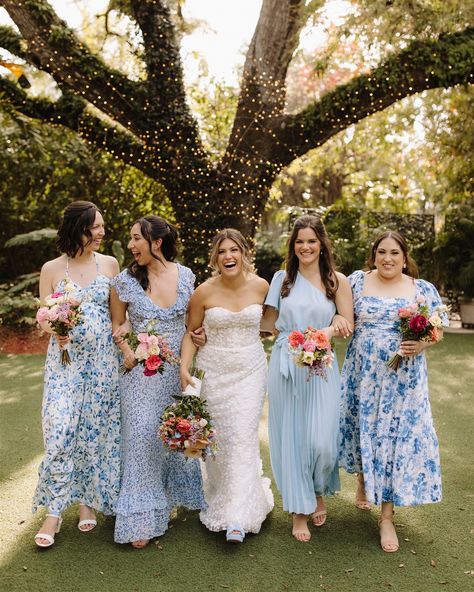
x=413 y=551
x=443 y=582
x=407 y=540
x=350 y=570
x=469 y=572
x=401 y=565
x=251 y=555
x=433 y=563
x=24 y=568
x=224 y=586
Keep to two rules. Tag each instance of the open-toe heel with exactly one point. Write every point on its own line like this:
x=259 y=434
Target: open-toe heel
x=87 y=524
x=389 y=543
x=48 y=537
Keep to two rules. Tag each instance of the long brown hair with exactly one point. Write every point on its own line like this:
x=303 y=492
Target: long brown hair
x=410 y=267
x=327 y=267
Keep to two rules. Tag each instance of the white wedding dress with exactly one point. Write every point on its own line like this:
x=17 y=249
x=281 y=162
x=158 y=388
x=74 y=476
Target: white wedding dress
x=234 y=387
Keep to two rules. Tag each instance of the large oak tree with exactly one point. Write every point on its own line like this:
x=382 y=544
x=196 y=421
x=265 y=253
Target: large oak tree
x=147 y=122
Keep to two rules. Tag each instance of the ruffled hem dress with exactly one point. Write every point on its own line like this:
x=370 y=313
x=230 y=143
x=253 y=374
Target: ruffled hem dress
x=386 y=429
x=237 y=494
x=81 y=412
x=155 y=480
x=303 y=414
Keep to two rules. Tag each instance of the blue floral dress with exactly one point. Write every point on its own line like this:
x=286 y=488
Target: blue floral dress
x=303 y=414
x=155 y=480
x=386 y=428
x=81 y=412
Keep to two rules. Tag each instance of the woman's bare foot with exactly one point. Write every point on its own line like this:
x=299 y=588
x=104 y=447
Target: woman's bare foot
x=388 y=534
x=140 y=544
x=300 y=528
x=319 y=515
x=361 y=500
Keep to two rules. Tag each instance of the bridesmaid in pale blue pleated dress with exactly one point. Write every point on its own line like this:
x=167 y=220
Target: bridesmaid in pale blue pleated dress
x=155 y=291
x=81 y=403
x=304 y=414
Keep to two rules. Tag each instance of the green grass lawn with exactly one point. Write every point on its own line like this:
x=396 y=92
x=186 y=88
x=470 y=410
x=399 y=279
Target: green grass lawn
x=344 y=555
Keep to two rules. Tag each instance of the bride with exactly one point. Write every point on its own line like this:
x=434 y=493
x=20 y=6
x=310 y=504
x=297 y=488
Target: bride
x=229 y=306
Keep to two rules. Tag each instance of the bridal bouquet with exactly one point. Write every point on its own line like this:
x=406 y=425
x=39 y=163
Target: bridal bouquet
x=63 y=313
x=416 y=324
x=186 y=425
x=312 y=349
x=151 y=350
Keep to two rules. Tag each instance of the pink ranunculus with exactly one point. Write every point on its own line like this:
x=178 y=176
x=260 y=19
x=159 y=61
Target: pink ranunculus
x=143 y=337
x=404 y=313
x=309 y=345
x=153 y=340
x=56 y=295
x=153 y=363
x=322 y=340
x=418 y=323
x=42 y=314
x=295 y=338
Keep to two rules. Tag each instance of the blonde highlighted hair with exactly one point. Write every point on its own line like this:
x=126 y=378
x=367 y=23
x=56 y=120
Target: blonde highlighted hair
x=237 y=237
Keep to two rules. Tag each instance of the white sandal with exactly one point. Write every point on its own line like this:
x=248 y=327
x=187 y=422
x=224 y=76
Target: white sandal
x=47 y=537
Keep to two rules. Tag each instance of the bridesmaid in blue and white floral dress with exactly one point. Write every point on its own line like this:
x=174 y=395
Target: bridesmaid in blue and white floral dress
x=386 y=429
x=155 y=292
x=81 y=404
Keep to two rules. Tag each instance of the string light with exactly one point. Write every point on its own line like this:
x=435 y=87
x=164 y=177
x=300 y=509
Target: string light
x=148 y=123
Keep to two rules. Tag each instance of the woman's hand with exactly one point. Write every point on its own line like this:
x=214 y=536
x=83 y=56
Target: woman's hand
x=412 y=348
x=129 y=360
x=118 y=334
x=185 y=378
x=341 y=326
x=198 y=337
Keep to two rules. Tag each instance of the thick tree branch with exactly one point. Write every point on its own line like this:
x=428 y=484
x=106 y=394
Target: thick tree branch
x=422 y=66
x=12 y=42
x=71 y=112
x=52 y=46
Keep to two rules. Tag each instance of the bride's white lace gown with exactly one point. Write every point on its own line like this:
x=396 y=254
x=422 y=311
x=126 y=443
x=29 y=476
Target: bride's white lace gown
x=234 y=387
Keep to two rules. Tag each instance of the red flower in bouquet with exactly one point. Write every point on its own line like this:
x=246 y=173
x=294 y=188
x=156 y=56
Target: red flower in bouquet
x=416 y=324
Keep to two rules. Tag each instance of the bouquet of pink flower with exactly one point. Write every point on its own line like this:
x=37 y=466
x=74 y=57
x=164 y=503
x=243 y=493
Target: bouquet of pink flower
x=312 y=349
x=62 y=312
x=151 y=350
x=186 y=425
x=416 y=324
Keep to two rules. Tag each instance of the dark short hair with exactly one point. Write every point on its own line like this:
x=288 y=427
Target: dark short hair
x=78 y=217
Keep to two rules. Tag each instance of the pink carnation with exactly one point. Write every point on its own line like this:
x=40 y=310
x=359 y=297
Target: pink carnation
x=404 y=313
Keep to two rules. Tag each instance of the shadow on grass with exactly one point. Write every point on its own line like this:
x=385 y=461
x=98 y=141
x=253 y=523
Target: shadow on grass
x=343 y=555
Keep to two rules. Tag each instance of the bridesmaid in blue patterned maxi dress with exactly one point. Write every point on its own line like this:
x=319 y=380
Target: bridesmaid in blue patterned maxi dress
x=155 y=292
x=304 y=414
x=386 y=430
x=81 y=404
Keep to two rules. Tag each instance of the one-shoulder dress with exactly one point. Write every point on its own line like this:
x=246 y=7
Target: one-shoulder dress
x=386 y=428
x=303 y=414
x=155 y=480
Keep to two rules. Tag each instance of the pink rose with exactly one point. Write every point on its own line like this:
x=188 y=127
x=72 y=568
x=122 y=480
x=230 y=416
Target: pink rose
x=153 y=363
x=42 y=314
x=418 y=323
x=309 y=345
x=404 y=313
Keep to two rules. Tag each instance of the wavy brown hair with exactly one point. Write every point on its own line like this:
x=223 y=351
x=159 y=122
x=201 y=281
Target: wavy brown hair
x=237 y=237
x=327 y=267
x=411 y=268
x=152 y=228
x=78 y=218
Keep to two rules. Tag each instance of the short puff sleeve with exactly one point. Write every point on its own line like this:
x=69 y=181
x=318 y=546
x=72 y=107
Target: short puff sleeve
x=124 y=285
x=433 y=300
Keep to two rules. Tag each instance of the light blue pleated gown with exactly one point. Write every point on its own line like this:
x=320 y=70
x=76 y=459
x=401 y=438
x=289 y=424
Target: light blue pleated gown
x=303 y=414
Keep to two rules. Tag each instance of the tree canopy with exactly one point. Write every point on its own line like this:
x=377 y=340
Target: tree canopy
x=145 y=119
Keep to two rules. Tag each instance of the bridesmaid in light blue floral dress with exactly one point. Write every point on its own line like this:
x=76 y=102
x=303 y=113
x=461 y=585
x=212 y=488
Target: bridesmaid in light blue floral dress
x=81 y=404
x=386 y=429
x=155 y=292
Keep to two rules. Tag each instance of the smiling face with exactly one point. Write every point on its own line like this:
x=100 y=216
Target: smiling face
x=139 y=246
x=389 y=258
x=307 y=246
x=97 y=233
x=229 y=258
